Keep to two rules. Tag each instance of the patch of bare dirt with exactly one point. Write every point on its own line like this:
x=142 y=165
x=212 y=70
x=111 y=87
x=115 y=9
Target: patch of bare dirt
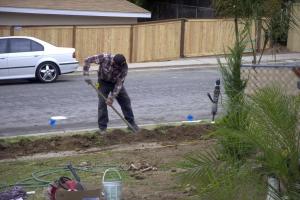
x=162 y=182
x=166 y=135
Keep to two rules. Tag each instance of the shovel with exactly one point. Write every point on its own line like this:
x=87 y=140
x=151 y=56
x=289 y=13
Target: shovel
x=90 y=82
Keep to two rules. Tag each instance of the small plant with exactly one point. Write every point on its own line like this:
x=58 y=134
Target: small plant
x=221 y=178
x=273 y=129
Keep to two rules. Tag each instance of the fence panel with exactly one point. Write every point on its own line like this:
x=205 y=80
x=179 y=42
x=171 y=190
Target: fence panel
x=207 y=37
x=211 y=37
x=4 y=31
x=293 y=43
x=91 y=40
x=156 y=41
x=56 y=35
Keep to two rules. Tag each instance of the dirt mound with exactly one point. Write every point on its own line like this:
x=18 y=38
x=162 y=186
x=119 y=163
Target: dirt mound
x=27 y=146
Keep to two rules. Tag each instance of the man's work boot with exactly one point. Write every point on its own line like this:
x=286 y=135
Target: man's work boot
x=102 y=131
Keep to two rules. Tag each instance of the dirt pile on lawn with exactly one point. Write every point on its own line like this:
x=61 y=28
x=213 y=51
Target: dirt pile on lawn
x=166 y=134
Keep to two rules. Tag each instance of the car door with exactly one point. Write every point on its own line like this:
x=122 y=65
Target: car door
x=23 y=57
x=3 y=58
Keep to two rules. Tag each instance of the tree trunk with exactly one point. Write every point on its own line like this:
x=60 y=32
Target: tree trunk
x=259 y=28
x=236 y=28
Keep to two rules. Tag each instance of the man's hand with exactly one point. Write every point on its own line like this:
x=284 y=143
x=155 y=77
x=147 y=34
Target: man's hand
x=109 y=101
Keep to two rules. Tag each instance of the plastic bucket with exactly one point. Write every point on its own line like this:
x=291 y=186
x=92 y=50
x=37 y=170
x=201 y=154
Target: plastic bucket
x=112 y=189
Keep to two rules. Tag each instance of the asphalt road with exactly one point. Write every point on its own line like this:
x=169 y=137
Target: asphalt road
x=157 y=96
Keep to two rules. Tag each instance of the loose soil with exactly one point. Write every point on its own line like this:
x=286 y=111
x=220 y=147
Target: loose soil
x=167 y=134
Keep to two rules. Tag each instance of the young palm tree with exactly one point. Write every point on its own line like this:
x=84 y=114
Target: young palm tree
x=274 y=130
x=217 y=177
x=234 y=85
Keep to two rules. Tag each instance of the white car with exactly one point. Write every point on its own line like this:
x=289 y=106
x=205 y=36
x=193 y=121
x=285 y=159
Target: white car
x=29 y=57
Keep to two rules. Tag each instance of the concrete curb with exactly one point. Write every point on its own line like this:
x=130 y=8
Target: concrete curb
x=82 y=131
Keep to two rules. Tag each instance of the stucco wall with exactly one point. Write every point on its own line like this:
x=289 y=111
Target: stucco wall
x=16 y=19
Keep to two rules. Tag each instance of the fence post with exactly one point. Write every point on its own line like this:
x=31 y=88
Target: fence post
x=12 y=31
x=74 y=37
x=182 y=37
x=131 y=44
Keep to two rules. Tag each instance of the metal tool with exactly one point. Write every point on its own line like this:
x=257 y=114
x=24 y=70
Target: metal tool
x=90 y=82
x=77 y=178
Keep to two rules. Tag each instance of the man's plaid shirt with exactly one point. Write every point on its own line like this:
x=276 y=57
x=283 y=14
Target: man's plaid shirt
x=107 y=71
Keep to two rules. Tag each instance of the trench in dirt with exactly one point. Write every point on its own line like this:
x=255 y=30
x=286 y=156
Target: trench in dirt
x=82 y=142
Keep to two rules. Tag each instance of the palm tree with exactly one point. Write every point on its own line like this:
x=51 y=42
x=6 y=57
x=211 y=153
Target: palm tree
x=274 y=129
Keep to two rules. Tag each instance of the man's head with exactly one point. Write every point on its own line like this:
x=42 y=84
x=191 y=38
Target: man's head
x=119 y=59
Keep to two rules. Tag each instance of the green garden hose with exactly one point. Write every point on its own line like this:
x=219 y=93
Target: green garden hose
x=36 y=180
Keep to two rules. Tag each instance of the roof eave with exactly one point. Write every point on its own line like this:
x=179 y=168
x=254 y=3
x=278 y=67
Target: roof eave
x=75 y=13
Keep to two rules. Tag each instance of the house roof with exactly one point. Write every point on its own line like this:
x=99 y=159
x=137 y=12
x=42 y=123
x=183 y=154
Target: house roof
x=112 y=8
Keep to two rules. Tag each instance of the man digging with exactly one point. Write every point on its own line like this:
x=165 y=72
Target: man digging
x=111 y=76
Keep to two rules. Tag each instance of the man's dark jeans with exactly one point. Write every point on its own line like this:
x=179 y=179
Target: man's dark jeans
x=123 y=100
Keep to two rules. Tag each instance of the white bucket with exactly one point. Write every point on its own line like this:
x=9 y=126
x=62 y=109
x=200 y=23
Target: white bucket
x=112 y=189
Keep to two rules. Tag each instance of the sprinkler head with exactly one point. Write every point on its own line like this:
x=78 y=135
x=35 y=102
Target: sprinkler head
x=190 y=117
x=52 y=123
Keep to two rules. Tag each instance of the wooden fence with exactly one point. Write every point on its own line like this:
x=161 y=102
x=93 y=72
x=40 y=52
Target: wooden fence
x=56 y=35
x=207 y=37
x=294 y=33
x=156 y=41
x=92 y=40
x=151 y=41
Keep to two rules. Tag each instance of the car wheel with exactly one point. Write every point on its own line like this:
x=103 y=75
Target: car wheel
x=47 y=72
